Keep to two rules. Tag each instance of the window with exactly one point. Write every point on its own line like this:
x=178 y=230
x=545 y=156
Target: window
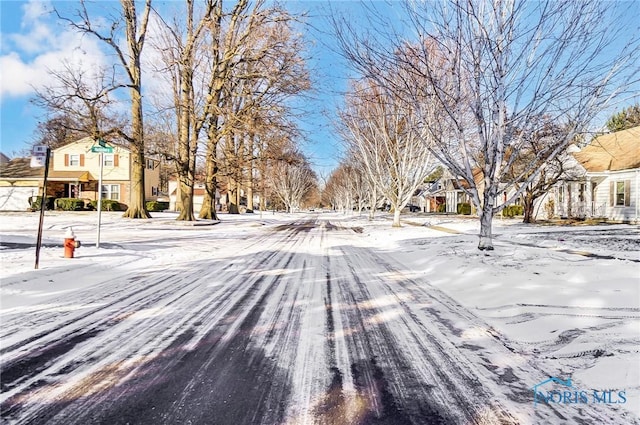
x=108 y=160
x=154 y=191
x=150 y=164
x=111 y=191
x=619 y=193
x=73 y=160
x=561 y=194
x=581 y=190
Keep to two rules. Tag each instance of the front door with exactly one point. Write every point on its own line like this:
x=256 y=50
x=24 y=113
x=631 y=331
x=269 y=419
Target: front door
x=72 y=190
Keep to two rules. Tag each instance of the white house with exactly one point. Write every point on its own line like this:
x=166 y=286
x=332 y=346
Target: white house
x=199 y=191
x=611 y=187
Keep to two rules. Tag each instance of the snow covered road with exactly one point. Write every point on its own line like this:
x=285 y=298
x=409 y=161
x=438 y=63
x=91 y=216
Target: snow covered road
x=287 y=323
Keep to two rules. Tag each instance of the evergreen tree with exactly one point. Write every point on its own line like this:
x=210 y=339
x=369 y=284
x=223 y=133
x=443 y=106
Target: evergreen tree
x=627 y=118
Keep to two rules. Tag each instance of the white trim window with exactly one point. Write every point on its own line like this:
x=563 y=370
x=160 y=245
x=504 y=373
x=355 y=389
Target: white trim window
x=108 y=160
x=74 y=160
x=111 y=191
x=620 y=193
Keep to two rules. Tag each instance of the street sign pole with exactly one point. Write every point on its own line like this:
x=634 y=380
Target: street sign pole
x=43 y=203
x=100 y=199
x=102 y=149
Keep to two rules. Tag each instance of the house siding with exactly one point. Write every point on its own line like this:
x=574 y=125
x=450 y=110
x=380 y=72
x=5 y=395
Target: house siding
x=603 y=196
x=92 y=161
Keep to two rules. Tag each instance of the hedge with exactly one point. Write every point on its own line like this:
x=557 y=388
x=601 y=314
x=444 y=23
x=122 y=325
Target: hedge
x=34 y=201
x=69 y=204
x=108 y=205
x=464 y=208
x=157 y=206
x=512 y=211
x=442 y=208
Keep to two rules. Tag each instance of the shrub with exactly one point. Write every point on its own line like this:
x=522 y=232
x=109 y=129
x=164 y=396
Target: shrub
x=512 y=211
x=107 y=205
x=550 y=208
x=442 y=208
x=464 y=208
x=34 y=201
x=69 y=204
x=157 y=206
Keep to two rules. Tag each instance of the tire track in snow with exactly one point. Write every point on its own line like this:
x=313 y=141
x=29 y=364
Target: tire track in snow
x=114 y=343
x=513 y=378
x=296 y=326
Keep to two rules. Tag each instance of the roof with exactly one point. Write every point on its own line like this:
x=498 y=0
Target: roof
x=612 y=152
x=70 y=176
x=20 y=168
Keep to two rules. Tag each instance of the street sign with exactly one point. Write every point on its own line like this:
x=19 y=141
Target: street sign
x=102 y=143
x=38 y=156
x=101 y=149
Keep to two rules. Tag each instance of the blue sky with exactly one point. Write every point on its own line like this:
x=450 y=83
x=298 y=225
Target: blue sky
x=33 y=41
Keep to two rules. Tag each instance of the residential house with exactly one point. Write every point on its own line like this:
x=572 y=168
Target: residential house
x=454 y=189
x=199 y=191
x=429 y=196
x=604 y=182
x=18 y=182
x=568 y=197
x=74 y=172
x=446 y=191
x=611 y=187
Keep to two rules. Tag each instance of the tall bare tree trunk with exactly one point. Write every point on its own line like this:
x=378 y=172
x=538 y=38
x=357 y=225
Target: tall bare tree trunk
x=486 y=218
x=396 y=217
x=250 y=174
x=528 y=208
x=137 y=207
x=208 y=209
x=186 y=171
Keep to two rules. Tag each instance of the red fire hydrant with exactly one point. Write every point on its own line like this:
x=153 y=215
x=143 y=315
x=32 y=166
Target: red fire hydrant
x=70 y=243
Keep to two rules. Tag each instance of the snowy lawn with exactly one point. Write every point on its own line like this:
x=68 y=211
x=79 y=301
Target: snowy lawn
x=567 y=297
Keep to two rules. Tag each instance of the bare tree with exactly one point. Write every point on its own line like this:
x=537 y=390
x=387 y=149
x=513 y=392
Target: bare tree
x=337 y=191
x=390 y=141
x=134 y=36
x=535 y=149
x=493 y=66
x=292 y=180
x=180 y=46
x=81 y=103
x=256 y=66
x=57 y=130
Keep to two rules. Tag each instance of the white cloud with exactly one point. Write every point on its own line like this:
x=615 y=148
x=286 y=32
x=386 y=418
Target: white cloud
x=34 y=10
x=42 y=46
x=36 y=34
x=16 y=77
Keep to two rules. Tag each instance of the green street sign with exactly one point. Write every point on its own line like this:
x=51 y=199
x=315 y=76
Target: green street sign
x=102 y=143
x=101 y=149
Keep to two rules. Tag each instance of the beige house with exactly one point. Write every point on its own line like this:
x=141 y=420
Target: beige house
x=74 y=172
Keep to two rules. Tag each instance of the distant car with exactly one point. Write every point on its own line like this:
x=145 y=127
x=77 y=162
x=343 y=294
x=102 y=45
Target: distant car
x=413 y=208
